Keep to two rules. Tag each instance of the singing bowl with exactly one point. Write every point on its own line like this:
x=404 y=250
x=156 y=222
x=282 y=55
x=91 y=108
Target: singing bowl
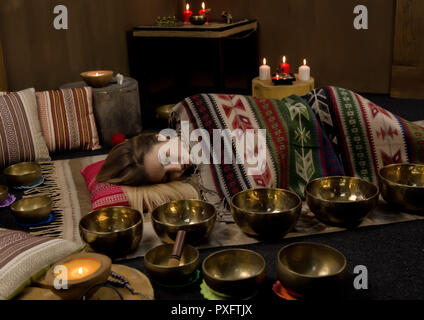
x=196 y=217
x=266 y=213
x=102 y=80
x=311 y=269
x=198 y=19
x=114 y=231
x=402 y=185
x=156 y=263
x=4 y=193
x=341 y=201
x=23 y=174
x=32 y=209
x=234 y=272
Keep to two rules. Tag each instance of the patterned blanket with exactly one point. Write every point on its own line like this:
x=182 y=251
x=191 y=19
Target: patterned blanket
x=330 y=131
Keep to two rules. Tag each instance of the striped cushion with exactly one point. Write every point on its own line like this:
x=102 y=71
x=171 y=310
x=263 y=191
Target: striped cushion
x=20 y=133
x=67 y=119
x=23 y=258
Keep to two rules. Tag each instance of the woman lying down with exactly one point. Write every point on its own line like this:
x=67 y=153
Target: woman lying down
x=329 y=131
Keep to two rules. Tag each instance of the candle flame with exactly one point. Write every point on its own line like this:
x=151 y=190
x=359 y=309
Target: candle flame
x=304 y=62
x=284 y=59
x=264 y=61
x=187 y=6
x=203 y=6
x=80 y=271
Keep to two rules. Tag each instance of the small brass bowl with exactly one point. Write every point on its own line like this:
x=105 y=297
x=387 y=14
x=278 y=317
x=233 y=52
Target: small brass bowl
x=234 y=272
x=196 y=217
x=403 y=186
x=23 y=174
x=341 y=201
x=156 y=263
x=114 y=231
x=4 y=193
x=267 y=213
x=32 y=209
x=97 y=79
x=198 y=19
x=311 y=269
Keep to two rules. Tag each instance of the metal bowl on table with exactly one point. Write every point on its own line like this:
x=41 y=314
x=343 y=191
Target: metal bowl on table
x=341 y=201
x=198 y=20
x=156 y=263
x=32 y=209
x=23 y=174
x=311 y=269
x=114 y=231
x=234 y=272
x=267 y=213
x=97 y=79
x=4 y=193
x=403 y=186
x=196 y=217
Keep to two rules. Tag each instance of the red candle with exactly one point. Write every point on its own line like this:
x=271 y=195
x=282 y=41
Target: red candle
x=204 y=11
x=187 y=14
x=285 y=67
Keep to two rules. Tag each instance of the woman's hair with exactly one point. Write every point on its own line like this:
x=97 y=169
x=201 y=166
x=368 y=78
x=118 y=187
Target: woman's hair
x=125 y=163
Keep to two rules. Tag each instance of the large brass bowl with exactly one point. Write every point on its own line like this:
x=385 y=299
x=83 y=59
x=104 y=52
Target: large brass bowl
x=4 y=193
x=196 y=217
x=156 y=263
x=402 y=185
x=32 y=209
x=267 y=213
x=341 y=201
x=311 y=269
x=114 y=231
x=97 y=79
x=234 y=272
x=23 y=174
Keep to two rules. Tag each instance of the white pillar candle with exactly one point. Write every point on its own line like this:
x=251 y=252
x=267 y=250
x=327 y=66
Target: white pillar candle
x=304 y=72
x=264 y=71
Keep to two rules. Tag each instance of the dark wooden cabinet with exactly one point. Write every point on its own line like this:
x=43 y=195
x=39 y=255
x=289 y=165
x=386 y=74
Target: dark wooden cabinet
x=176 y=62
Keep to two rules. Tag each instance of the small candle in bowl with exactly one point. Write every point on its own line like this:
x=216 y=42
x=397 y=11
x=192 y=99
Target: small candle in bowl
x=97 y=79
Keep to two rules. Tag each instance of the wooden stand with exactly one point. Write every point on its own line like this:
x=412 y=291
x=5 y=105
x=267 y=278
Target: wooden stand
x=266 y=89
x=116 y=109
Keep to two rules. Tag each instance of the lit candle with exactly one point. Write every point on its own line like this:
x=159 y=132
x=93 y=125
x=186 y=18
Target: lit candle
x=187 y=14
x=81 y=268
x=304 y=72
x=285 y=67
x=264 y=71
x=204 y=11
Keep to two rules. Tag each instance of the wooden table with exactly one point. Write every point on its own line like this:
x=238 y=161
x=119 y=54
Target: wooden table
x=266 y=89
x=174 y=62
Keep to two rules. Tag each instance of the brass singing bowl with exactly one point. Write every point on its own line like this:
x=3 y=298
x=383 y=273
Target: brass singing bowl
x=156 y=263
x=311 y=269
x=114 y=231
x=198 y=19
x=196 y=217
x=32 y=209
x=266 y=213
x=23 y=174
x=341 y=201
x=100 y=81
x=402 y=185
x=234 y=272
x=4 y=193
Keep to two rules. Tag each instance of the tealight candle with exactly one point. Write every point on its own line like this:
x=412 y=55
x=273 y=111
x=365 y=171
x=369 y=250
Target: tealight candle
x=204 y=11
x=187 y=14
x=304 y=72
x=81 y=268
x=285 y=67
x=264 y=71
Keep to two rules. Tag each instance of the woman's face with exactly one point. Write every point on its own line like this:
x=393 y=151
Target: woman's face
x=157 y=169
